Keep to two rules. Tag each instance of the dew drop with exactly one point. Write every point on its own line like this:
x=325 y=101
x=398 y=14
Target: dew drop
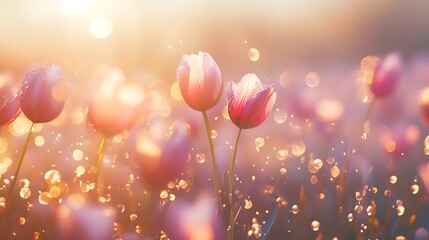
x=335 y=171
x=253 y=54
x=280 y=116
x=2 y=202
x=213 y=134
x=358 y=208
x=121 y=207
x=25 y=192
x=45 y=198
x=350 y=217
x=183 y=184
x=55 y=191
x=248 y=204
x=369 y=210
x=77 y=155
x=200 y=157
x=80 y=170
x=259 y=142
x=393 y=179
x=313 y=179
x=315 y=225
x=400 y=210
x=39 y=141
x=52 y=177
x=21 y=220
x=163 y=194
x=131 y=178
x=400 y=237
x=298 y=149
x=138 y=229
x=171 y=197
x=283 y=171
x=282 y=154
x=281 y=202
x=414 y=189
x=312 y=79
x=24 y=183
x=133 y=217
x=295 y=209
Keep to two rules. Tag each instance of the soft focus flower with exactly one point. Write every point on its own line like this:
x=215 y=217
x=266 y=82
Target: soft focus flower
x=200 y=81
x=162 y=159
x=386 y=75
x=424 y=104
x=43 y=94
x=9 y=105
x=115 y=104
x=249 y=101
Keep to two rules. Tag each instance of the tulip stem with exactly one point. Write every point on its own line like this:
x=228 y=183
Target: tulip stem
x=215 y=170
x=15 y=176
x=231 y=181
x=100 y=155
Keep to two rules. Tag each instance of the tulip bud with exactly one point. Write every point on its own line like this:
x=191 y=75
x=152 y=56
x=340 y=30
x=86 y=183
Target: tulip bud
x=249 y=102
x=115 y=104
x=162 y=160
x=9 y=105
x=43 y=94
x=386 y=75
x=200 y=81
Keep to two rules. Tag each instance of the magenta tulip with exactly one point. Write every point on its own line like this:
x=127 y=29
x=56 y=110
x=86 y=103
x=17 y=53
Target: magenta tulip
x=43 y=94
x=386 y=75
x=115 y=104
x=9 y=106
x=249 y=101
x=200 y=81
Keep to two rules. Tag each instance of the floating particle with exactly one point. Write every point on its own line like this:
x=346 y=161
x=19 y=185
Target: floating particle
x=280 y=116
x=312 y=79
x=183 y=184
x=39 y=141
x=400 y=210
x=322 y=196
x=77 y=154
x=414 y=189
x=318 y=164
x=200 y=157
x=330 y=160
x=36 y=235
x=131 y=178
x=369 y=210
x=21 y=220
x=2 y=202
x=358 y=208
x=138 y=229
x=393 y=179
x=359 y=196
x=213 y=134
x=282 y=154
x=259 y=142
x=80 y=170
x=171 y=197
x=253 y=54
x=163 y=194
x=45 y=198
x=133 y=217
x=24 y=183
x=283 y=171
x=281 y=202
x=3 y=145
x=295 y=209
x=335 y=171
x=55 y=191
x=400 y=237
x=248 y=204
x=313 y=179
x=298 y=149
x=350 y=217
x=121 y=207
x=25 y=192
x=315 y=225
x=52 y=177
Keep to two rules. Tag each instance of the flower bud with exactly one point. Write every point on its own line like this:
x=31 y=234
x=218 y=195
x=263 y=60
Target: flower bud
x=43 y=94
x=386 y=75
x=9 y=105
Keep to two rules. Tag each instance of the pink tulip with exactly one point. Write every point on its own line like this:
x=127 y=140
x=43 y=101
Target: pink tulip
x=9 y=105
x=43 y=94
x=386 y=75
x=249 y=101
x=200 y=81
x=115 y=104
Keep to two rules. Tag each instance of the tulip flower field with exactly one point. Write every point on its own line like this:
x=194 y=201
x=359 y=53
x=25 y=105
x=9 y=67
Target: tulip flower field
x=209 y=131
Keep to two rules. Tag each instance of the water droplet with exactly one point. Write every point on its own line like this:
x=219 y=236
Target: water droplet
x=25 y=192
x=400 y=237
x=283 y=171
x=350 y=217
x=80 y=170
x=387 y=193
x=280 y=116
x=138 y=229
x=312 y=79
x=24 y=183
x=313 y=179
x=133 y=217
x=248 y=204
x=369 y=210
x=77 y=154
x=315 y=225
x=393 y=179
x=358 y=208
x=213 y=134
x=131 y=178
x=183 y=184
x=45 y=198
x=52 y=177
x=200 y=157
x=21 y=220
x=282 y=154
x=2 y=202
x=259 y=142
x=281 y=202
x=253 y=54
x=295 y=209
x=55 y=191
x=298 y=149
x=414 y=189
x=171 y=197
x=39 y=141
x=163 y=194
x=335 y=171
x=400 y=210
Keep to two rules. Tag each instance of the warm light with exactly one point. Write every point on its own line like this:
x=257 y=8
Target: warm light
x=100 y=27
x=424 y=96
x=73 y=6
x=329 y=110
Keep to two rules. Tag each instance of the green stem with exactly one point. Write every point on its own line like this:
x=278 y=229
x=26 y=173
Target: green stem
x=214 y=165
x=100 y=155
x=15 y=176
x=231 y=181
